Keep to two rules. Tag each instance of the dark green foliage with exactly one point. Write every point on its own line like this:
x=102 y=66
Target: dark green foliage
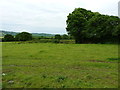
x=41 y=37
x=89 y=27
x=76 y=23
x=24 y=36
x=8 y=37
x=65 y=36
x=102 y=29
x=56 y=41
x=58 y=36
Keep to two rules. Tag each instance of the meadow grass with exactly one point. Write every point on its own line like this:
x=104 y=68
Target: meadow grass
x=48 y=65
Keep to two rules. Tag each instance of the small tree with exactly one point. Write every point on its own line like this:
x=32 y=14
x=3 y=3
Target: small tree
x=58 y=36
x=65 y=36
x=24 y=36
x=8 y=37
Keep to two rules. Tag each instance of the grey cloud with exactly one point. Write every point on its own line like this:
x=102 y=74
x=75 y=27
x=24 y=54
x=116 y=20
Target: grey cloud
x=21 y=27
x=47 y=16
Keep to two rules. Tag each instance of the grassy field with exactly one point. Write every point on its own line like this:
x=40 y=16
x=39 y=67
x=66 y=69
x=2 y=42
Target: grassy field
x=47 y=65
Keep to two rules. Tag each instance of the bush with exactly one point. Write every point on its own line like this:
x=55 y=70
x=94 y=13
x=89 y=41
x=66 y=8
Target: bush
x=8 y=37
x=65 y=36
x=24 y=36
x=56 y=41
x=58 y=36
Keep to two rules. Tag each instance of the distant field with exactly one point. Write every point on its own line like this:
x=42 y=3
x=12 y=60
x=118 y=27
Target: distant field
x=1 y=37
x=47 y=65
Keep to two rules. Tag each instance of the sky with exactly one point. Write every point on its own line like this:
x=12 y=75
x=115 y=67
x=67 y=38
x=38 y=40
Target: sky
x=47 y=16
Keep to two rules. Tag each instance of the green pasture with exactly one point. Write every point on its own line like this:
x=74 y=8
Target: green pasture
x=49 y=65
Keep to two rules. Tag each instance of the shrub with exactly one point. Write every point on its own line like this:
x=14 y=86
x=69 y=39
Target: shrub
x=56 y=41
x=8 y=37
x=24 y=36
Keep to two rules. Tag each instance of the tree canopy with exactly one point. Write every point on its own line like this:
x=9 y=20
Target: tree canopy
x=65 y=36
x=8 y=37
x=92 y=27
x=23 y=36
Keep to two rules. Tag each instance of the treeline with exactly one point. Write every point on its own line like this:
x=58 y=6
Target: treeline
x=92 y=27
x=25 y=36
x=57 y=36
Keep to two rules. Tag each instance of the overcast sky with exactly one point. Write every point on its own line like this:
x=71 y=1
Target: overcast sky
x=47 y=16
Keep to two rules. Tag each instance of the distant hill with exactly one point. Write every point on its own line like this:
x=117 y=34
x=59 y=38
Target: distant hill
x=3 y=33
x=42 y=34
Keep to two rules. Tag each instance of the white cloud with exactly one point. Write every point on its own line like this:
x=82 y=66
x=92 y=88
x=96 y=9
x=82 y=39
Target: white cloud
x=47 y=15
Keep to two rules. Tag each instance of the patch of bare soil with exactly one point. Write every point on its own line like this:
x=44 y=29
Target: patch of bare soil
x=101 y=61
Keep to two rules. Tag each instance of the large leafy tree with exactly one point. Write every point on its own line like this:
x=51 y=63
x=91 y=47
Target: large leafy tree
x=76 y=22
x=23 y=36
x=102 y=28
x=111 y=26
x=116 y=33
x=96 y=28
x=87 y=26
